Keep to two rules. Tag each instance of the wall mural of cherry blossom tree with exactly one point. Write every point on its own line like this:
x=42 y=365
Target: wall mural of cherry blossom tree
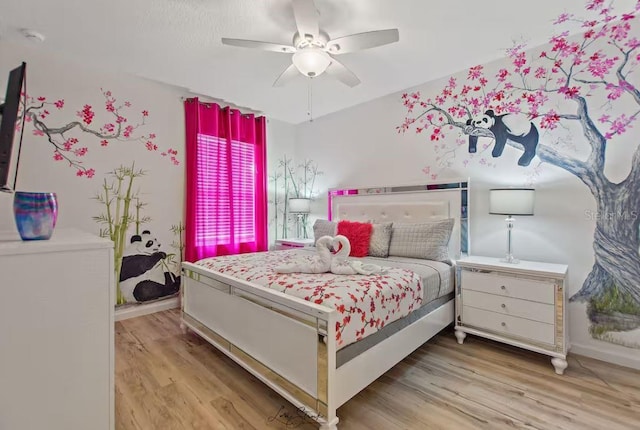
x=70 y=147
x=560 y=89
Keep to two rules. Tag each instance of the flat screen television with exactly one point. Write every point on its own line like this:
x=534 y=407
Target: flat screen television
x=10 y=111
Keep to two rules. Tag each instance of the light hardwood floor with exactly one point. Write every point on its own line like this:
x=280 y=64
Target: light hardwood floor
x=167 y=380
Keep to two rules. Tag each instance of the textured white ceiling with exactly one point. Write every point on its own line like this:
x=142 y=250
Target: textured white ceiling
x=178 y=42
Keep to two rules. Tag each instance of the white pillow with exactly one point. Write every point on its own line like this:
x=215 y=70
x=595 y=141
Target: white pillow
x=323 y=227
x=380 y=240
x=427 y=240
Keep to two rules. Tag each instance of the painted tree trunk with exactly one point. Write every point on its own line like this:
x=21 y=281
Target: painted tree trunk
x=616 y=244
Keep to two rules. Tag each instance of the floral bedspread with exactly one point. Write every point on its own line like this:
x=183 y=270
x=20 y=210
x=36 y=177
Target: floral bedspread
x=365 y=303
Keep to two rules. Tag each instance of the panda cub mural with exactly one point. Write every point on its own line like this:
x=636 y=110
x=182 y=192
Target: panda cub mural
x=145 y=274
x=514 y=127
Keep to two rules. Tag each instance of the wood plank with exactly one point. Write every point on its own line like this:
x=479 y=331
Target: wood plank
x=168 y=380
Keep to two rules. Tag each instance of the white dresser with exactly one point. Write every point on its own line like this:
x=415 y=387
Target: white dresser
x=520 y=304
x=56 y=332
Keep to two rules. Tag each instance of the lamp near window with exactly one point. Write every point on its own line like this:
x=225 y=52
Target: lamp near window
x=301 y=208
x=511 y=201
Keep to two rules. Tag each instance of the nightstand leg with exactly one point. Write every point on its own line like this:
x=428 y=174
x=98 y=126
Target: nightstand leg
x=460 y=335
x=559 y=364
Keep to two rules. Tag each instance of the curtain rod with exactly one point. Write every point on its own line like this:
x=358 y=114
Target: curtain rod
x=208 y=99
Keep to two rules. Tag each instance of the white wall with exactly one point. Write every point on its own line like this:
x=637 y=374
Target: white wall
x=58 y=77
x=281 y=139
x=360 y=146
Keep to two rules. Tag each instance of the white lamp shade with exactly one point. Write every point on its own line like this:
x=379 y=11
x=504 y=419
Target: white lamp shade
x=311 y=61
x=299 y=206
x=511 y=201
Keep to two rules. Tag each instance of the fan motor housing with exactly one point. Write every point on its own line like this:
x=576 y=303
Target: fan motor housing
x=301 y=42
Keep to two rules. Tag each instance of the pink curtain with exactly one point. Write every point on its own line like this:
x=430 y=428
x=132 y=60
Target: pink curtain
x=226 y=192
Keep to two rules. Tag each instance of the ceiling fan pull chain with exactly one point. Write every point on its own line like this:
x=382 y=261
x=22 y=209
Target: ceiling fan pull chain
x=310 y=100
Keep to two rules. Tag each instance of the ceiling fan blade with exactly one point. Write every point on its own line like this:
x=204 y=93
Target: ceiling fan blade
x=307 y=17
x=341 y=73
x=255 y=44
x=360 y=41
x=286 y=76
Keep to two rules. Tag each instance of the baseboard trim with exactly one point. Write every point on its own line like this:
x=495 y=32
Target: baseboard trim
x=599 y=354
x=146 y=309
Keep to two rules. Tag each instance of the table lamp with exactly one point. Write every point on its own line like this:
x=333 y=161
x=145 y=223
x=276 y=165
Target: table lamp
x=301 y=208
x=511 y=201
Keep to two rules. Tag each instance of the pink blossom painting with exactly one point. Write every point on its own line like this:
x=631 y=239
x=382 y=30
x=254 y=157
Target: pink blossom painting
x=587 y=83
x=72 y=141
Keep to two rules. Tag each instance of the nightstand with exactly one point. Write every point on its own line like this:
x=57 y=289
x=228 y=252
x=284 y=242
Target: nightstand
x=520 y=304
x=281 y=244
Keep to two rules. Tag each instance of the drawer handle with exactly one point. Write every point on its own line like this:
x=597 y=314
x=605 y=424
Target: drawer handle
x=504 y=324
x=503 y=306
x=503 y=287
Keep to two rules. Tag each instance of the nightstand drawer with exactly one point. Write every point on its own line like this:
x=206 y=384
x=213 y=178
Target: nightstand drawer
x=284 y=244
x=508 y=325
x=541 y=312
x=284 y=247
x=520 y=288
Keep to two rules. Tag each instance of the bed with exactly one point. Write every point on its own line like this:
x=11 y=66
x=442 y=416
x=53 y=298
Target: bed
x=294 y=345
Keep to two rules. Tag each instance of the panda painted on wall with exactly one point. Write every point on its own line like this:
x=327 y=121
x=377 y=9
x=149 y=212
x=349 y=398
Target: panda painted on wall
x=142 y=276
x=514 y=127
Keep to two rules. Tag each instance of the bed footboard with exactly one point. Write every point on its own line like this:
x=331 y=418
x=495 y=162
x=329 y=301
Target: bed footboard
x=286 y=342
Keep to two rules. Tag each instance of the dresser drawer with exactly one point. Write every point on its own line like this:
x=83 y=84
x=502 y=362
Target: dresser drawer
x=509 y=325
x=541 y=312
x=520 y=288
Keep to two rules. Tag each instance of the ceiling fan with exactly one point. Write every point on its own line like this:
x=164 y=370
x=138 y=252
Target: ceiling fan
x=313 y=51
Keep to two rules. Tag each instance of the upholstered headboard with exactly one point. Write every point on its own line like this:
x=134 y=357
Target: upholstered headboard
x=392 y=212
x=408 y=204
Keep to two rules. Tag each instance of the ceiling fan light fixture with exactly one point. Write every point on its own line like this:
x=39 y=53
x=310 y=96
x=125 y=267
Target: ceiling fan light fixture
x=313 y=50
x=311 y=61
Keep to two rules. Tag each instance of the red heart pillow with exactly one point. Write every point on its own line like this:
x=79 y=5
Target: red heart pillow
x=359 y=235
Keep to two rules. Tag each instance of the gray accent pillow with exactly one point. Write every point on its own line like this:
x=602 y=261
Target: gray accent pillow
x=380 y=239
x=323 y=227
x=427 y=240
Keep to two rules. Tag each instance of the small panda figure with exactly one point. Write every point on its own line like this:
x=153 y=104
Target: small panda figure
x=514 y=127
x=142 y=277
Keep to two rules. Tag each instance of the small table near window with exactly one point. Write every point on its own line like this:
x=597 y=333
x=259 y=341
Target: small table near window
x=282 y=244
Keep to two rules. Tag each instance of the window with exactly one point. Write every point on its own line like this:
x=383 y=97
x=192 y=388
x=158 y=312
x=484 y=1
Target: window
x=226 y=181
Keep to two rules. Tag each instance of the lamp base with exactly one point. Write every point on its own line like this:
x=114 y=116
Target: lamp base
x=301 y=223
x=510 y=260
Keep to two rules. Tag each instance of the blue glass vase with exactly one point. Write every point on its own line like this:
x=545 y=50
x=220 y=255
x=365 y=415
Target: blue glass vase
x=35 y=214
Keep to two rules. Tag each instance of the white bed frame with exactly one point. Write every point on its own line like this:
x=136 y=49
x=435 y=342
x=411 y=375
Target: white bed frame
x=289 y=343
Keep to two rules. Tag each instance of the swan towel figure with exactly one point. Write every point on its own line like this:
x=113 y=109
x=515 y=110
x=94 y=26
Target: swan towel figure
x=319 y=263
x=341 y=265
